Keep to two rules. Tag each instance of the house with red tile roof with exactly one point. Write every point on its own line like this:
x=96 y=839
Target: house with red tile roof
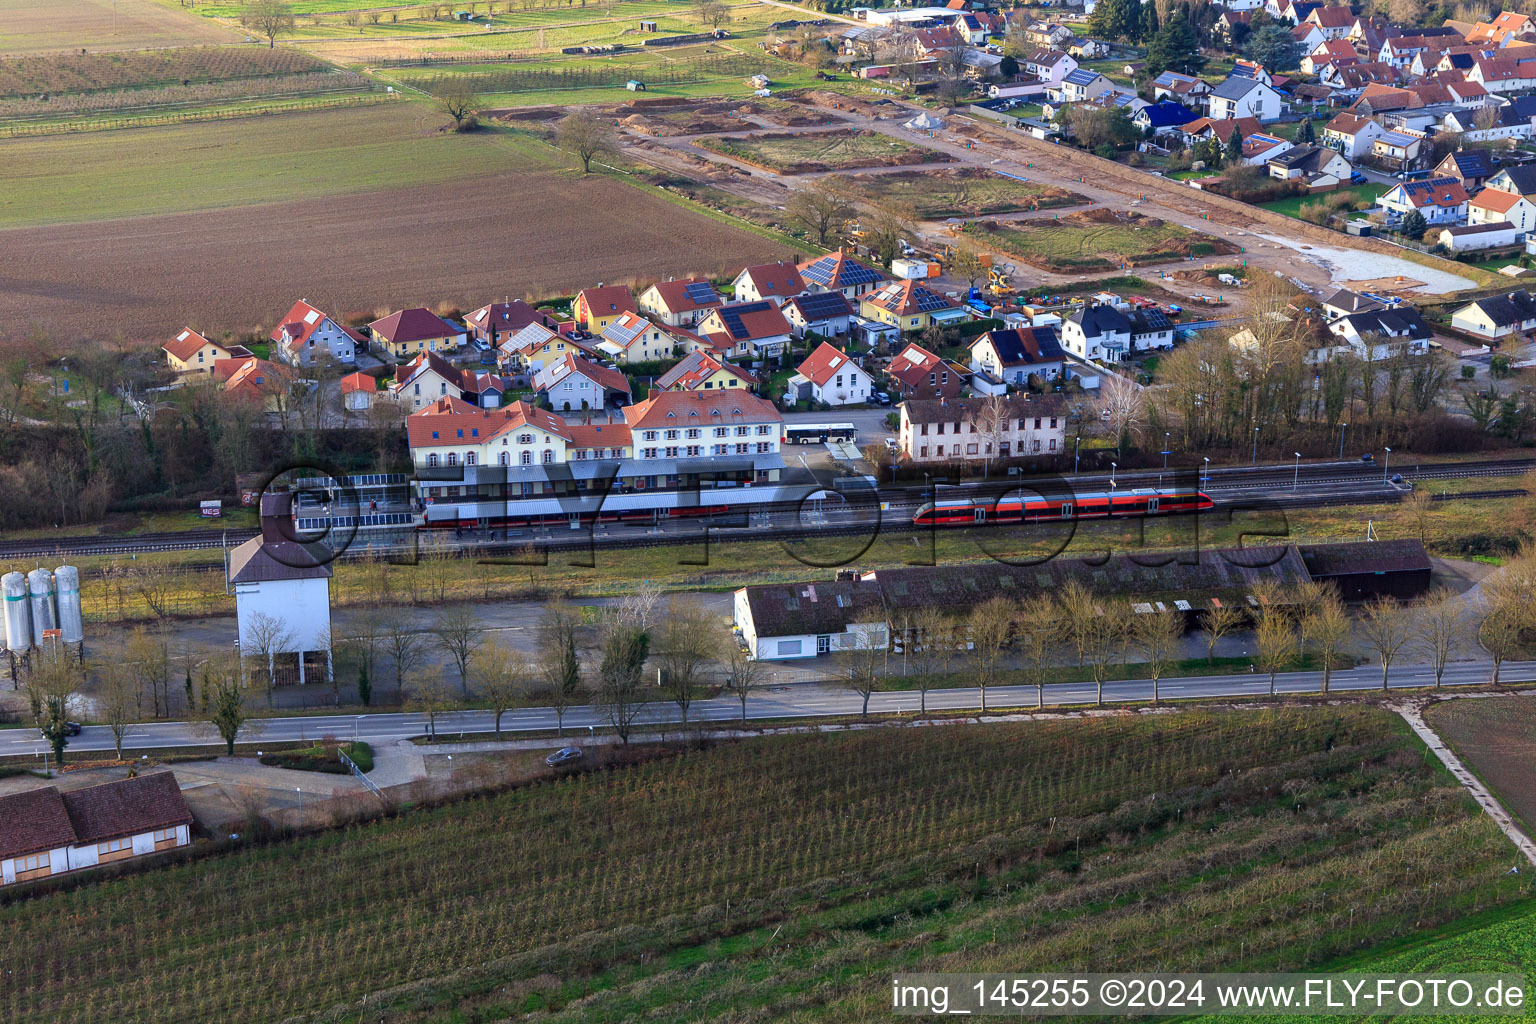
x=701 y=370
x=1493 y=206
x=596 y=308
x=918 y=373
x=776 y=282
x=429 y=376
x=190 y=352
x=679 y=303
x=306 y=333
x=1506 y=27
x=910 y=306
x=1440 y=200
x=1221 y=129
x=572 y=383
x=410 y=332
x=751 y=331
x=44 y=832
x=263 y=384
x=828 y=376
x=357 y=391
x=495 y=322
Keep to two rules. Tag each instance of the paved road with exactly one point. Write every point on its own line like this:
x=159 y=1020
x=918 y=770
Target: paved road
x=785 y=702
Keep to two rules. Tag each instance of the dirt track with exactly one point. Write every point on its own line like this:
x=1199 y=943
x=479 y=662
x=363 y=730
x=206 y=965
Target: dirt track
x=469 y=242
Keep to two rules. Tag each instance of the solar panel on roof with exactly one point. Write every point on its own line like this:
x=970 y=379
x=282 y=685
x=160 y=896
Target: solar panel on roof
x=927 y=301
x=700 y=292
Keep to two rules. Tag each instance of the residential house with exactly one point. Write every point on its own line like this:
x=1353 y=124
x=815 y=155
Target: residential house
x=1337 y=52
x=1220 y=130
x=1440 y=200
x=1400 y=51
x=1497 y=316
x=531 y=348
x=1185 y=89
x=1308 y=37
x=409 y=332
x=1505 y=28
x=784 y=621
x=1313 y=166
x=911 y=306
x=1352 y=81
x=190 y=352
x=746 y=330
x=1048 y=35
x=45 y=832
x=596 y=308
x=1050 y=66
x=703 y=371
x=1492 y=206
x=1520 y=178
x=1335 y=22
x=1245 y=97
x=1485 y=124
x=1261 y=147
x=357 y=391
x=573 y=383
x=1504 y=75
x=1401 y=148
x=1471 y=167
x=1163 y=117
x=429 y=376
x=495 y=322
x=261 y=384
x=1473 y=237
x=1384 y=329
x=836 y=272
x=1083 y=85
x=306 y=332
x=1088 y=49
x=1097 y=334
x=1344 y=302
x=917 y=373
x=1014 y=355
x=679 y=303
x=631 y=338
x=1151 y=330
x=1226 y=25
x=973 y=429
x=823 y=313
x=829 y=377
x=776 y=282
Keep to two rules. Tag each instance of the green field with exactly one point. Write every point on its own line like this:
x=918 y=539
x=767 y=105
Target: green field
x=805 y=152
x=256 y=160
x=1291 y=206
x=796 y=873
x=962 y=192
x=1098 y=240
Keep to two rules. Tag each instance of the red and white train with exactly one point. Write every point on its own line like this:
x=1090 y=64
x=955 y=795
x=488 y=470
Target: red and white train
x=1097 y=505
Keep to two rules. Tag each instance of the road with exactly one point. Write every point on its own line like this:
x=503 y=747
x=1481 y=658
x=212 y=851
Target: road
x=802 y=701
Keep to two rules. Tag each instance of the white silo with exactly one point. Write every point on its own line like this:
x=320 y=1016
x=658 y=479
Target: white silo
x=44 y=614
x=18 y=618
x=66 y=582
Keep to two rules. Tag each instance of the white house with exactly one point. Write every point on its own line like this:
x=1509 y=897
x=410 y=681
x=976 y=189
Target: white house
x=974 y=429
x=825 y=313
x=357 y=391
x=1082 y=85
x=1492 y=206
x=1050 y=66
x=1385 y=329
x=1472 y=237
x=1014 y=355
x=1244 y=97
x=573 y=383
x=783 y=621
x=1097 y=333
x=1498 y=315
x=306 y=332
x=776 y=282
x=1351 y=135
x=1314 y=166
x=45 y=832
x=282 y=588
x=833 y=378
x=1440 y=200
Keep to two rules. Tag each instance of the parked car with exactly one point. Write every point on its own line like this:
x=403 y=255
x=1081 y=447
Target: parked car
x=883 y=397
x=71 y=728
x=565 y=755
x=892 y=445
x=1367 y=457
x=1356 y=178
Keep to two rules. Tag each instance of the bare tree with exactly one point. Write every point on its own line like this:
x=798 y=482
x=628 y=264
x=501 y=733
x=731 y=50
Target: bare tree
x=154 y=585
x=689 y=643
x=53 y=694
x=990 y=625
x=1039 y=627
x=1501 y=628
x=822 y=207
x=501 y=677
x=1105 y=632
x=460 y=633
x=558 y=661
x=1077 y=608
x=991 y=420
x=1386 y=629
x=150 y=656
x=625 y=649
x=1216 y=622
x=365 y=642
x=860 y=659
x=743 y=673
x=1442 y=629
x=712 y=13
x=587 y=135
x=1418 y=508
x=266 y=637
x=405 y=646
x=930 y=638
x=269 y=18
x=1122 y=407
x=117 y=700
x=431 y=696
x=638 y=607
x=1157 y=635
x=1325 y=628
x=458 y=100
x=1277 y=645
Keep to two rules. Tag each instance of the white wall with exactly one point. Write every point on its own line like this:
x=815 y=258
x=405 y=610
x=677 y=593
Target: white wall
x=302 y=606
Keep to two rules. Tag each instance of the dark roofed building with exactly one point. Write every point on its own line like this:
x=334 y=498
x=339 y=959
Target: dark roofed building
x=802 y=620
x=1383 y=568
x=1013 y=355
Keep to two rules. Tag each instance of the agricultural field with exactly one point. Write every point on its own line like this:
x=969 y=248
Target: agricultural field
x=962 y=192
x=43 y=26
x=1496 y=738
x=1096 y=240
x=358 y=208
x=797 y=872
x=811 y=152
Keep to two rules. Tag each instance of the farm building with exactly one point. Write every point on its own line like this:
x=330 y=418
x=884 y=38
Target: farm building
x=44 y=832
x=1383 y=568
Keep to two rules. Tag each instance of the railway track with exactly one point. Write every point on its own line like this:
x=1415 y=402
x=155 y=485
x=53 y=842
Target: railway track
x=1232 y=487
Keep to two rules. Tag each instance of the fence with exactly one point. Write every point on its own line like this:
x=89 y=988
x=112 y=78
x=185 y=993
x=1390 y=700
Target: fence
x=100 y=124
x=515 y=80
x=355 y=770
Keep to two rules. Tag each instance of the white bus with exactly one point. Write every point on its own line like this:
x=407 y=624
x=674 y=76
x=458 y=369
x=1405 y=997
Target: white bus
x=819 y=433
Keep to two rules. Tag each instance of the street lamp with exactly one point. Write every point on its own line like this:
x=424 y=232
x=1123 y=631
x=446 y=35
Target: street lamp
x=299 y=791
x=1112 y=467
x=1254 y=461
x=1076 y=454
x=1207 y=471
x=1297 y=478
x=1385 y=465
x=1167 y=434
x=1343 y=429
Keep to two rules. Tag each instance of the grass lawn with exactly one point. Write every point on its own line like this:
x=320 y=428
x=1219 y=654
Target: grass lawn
x=210 y=165
x=797 y=872
x=1291 y=205
x=1077 y=244
x=963 y=192
x=822 y=151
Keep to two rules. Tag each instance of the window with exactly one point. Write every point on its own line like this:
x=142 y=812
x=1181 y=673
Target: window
x=616 y=453
x=671 y=451
x=650 y=435
x=506 y=458
x=1023 y=423
x=923 y=430
x=1037 y=422
x=453 y=458
x=788 y=647
x=442 y=389
x=922 y=452
x=743 y=431
x=765 y=429
x=719 y=449
x=39 y=861
x=694 y=451
x=1053 y=426
x=469 y=458
x=549 y=456
x=649 y=453
x=432 y=459
x=525 y=459
x=581 y=455
x=1053 y=444
x=416 y=388
x=671 y=435
x=970 y=449
x=525 y=439
x=1035 y=446
x=722 y=431
x=114 y=846
x=940 y=431
x=743 y=449
x=693 y=433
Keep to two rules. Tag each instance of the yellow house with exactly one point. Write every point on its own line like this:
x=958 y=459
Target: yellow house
x=909 y=306
x=407 y=333
x=190 y=352
x=596 y=308
x=632 y=338
x=701 y=371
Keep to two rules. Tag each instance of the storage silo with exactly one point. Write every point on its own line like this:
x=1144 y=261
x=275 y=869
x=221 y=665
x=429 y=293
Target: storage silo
x=66 y=582
x=44 y=614
x=18 y=617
